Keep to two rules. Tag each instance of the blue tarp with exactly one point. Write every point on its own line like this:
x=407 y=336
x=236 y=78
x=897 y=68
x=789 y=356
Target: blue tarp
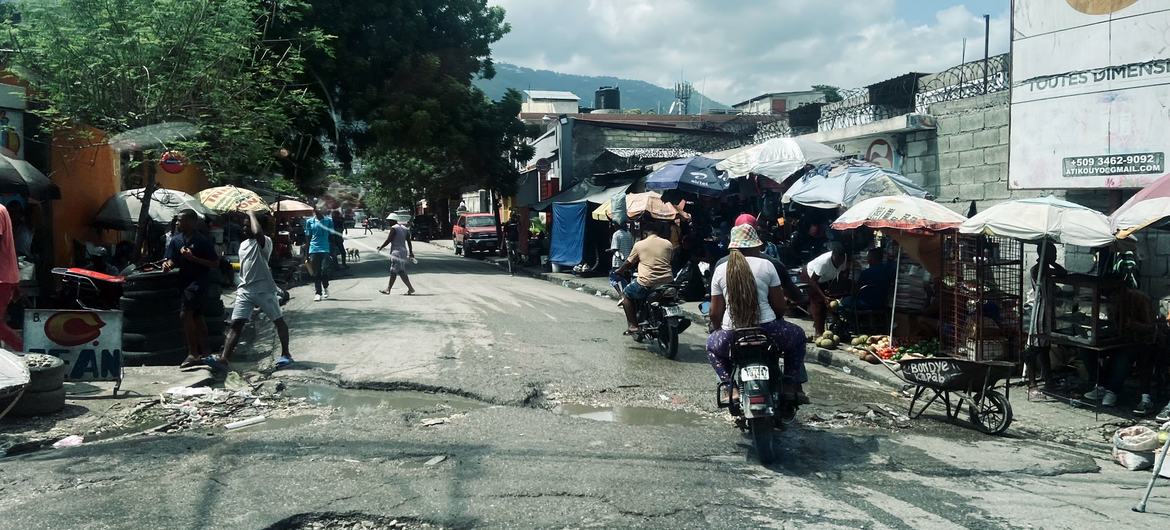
x=568 y=233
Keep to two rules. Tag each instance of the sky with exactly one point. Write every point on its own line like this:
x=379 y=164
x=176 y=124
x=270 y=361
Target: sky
x=733 y=50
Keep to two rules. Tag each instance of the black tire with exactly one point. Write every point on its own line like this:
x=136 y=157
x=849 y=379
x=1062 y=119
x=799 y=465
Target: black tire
x=993 y=414
x=154 y=358
x=149 y=308
x=151 y=281
x=39 y=403
x=668 y=341
x=155 y=324
x=761 y=429
x=152 y=341
x=46 y=378
x=151 y=295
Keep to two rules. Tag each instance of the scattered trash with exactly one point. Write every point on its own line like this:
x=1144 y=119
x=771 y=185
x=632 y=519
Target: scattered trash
x=900 y=420
x=233 y=381
x=846 y=369
x=580 y=289
x=435 y=460
x=68 y=441
x=185 y=391
x=664 y=397
x=431 y=422
x=244 y=423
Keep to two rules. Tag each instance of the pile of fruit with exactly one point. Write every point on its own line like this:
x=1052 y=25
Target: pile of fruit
x=873 y=348
x=828 y=340
x=918 y=350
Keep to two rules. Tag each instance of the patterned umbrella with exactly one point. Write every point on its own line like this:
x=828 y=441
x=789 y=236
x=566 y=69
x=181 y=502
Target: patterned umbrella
x=638 y=204
x=901 y=213
x=232 y=199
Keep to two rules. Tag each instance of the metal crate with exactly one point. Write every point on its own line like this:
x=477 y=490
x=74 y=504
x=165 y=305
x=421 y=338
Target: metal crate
x=981 y=298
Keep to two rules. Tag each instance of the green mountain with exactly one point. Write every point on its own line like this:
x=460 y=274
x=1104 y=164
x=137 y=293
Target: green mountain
x=635 y=94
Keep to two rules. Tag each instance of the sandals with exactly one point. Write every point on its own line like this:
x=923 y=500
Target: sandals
x=190 y=362
x=283 y=361
x=384 y=291
x=215 y=363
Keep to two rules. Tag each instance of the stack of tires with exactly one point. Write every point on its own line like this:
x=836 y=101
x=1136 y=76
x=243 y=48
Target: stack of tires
x=45 y=393
x=151 y=331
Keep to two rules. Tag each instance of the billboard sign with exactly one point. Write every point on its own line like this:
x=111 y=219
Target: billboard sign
x=90 y=342
x=1090 y=93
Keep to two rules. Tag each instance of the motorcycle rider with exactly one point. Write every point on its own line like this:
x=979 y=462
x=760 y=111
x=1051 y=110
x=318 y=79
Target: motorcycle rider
x=745 y=293
x=652 y=257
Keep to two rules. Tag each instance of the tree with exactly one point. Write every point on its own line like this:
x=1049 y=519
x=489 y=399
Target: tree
x=120 y=65
x=123 y=65
x=832 y=93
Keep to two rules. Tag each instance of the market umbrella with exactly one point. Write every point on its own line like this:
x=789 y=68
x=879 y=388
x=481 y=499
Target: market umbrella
x=1149 y=208
x=153 y=136
x=695 y=174
x=902 y=213
x=638 y=204
x=20 y=177
x=778 y=158
x=120 y=212
x=899 y=212
x=849 y=183
x=1045 y=218
x=291 y=207
x=230 y=199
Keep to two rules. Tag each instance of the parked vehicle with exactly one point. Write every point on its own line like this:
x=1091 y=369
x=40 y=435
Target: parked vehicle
x=425 y=228
x=475 y=232
x=759 y=405
x=661 y=320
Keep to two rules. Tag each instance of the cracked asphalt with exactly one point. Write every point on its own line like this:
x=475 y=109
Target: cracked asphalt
x=503 y=359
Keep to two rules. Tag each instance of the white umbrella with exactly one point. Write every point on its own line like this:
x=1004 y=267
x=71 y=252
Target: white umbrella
x=899 y=213
x=1045 y=218
x=778 y=158
x=849 y=183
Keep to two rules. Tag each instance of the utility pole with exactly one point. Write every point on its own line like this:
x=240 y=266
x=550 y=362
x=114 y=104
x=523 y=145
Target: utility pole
x=986 y=47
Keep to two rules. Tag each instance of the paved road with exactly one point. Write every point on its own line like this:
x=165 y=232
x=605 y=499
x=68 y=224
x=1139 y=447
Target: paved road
x=537 y=366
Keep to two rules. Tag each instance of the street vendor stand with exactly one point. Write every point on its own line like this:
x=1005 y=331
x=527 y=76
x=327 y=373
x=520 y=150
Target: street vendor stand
x=958 y=383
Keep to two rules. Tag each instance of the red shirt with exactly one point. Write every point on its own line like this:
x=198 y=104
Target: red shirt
x=9 y=271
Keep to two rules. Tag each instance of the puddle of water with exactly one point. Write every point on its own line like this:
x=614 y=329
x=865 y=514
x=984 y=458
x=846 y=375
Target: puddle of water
x=630 y=415
x=354 y=402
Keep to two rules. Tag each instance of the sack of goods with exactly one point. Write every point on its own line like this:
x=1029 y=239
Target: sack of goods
x=1133 y=447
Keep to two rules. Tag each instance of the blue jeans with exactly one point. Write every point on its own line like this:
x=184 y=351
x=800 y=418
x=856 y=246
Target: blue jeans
x=636 y=291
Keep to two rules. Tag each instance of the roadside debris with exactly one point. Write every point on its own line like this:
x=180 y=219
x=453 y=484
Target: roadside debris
x=435 y=461
x=244 y=423
x=69 y=441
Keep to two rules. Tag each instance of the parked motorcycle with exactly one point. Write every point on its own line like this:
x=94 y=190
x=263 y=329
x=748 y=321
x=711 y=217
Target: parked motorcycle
x=661 y=320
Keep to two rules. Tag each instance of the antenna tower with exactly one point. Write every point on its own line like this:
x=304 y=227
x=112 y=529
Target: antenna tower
x=682 y=95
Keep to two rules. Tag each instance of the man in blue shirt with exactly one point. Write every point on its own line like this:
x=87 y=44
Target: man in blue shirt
x=319 y=230
x=873 y=283
x=194 y=255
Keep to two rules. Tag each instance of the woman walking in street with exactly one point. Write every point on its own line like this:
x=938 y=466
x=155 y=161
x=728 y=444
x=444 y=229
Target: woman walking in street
x=401 y=252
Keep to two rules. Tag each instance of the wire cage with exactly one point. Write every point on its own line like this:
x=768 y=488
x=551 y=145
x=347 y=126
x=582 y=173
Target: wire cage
x=981 y=302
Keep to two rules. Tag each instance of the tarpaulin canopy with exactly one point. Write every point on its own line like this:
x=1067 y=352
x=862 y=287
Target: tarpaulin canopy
x=1149 y=208
x=899 y=213
x=1045 y=218
x=568 y=233
x=778 y=158
x=580 y=192
x=849 y=183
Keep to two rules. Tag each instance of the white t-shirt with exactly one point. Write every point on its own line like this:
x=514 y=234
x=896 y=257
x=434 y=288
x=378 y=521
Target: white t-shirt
x=255 y=276
x=823 y=267
x=766 y=278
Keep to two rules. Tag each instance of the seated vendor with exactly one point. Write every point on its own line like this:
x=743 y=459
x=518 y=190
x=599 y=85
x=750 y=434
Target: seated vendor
x=873 y=284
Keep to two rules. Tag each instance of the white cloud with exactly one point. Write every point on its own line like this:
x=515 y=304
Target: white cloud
x=736 y=50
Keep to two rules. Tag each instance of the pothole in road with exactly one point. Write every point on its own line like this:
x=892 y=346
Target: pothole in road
x=357 y=402
x=347 y=521
x=630 y=415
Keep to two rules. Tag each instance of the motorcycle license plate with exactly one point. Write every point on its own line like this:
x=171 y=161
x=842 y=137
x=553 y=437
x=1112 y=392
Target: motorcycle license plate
x=754 y=373
x=671 y=311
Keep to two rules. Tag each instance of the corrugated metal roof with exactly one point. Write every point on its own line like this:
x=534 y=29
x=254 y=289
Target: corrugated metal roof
x=651 y=152
x=552 y=94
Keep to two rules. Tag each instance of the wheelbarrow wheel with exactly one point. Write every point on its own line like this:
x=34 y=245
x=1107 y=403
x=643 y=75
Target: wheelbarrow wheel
x=992 y=414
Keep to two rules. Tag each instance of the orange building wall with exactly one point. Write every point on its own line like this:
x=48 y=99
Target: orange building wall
x=87 y=172
x=190 y=180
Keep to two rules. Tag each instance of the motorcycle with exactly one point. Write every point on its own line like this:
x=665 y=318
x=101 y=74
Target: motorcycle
x=757 y=368
x=661 y=320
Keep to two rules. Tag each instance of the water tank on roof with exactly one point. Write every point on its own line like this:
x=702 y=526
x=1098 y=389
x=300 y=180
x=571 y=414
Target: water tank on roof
x=607 y=98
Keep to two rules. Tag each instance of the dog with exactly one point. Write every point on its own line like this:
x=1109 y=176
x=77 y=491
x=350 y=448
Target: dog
x=353 y=254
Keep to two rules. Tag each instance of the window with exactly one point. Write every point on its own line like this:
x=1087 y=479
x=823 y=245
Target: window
x=480 y=222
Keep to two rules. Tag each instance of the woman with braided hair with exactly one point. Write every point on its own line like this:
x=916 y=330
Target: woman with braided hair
x=746 y=293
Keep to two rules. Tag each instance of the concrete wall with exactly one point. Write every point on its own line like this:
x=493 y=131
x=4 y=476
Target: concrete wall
x=965 y=159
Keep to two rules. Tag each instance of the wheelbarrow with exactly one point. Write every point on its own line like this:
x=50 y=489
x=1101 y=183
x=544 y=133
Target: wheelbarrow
x=959 y=382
